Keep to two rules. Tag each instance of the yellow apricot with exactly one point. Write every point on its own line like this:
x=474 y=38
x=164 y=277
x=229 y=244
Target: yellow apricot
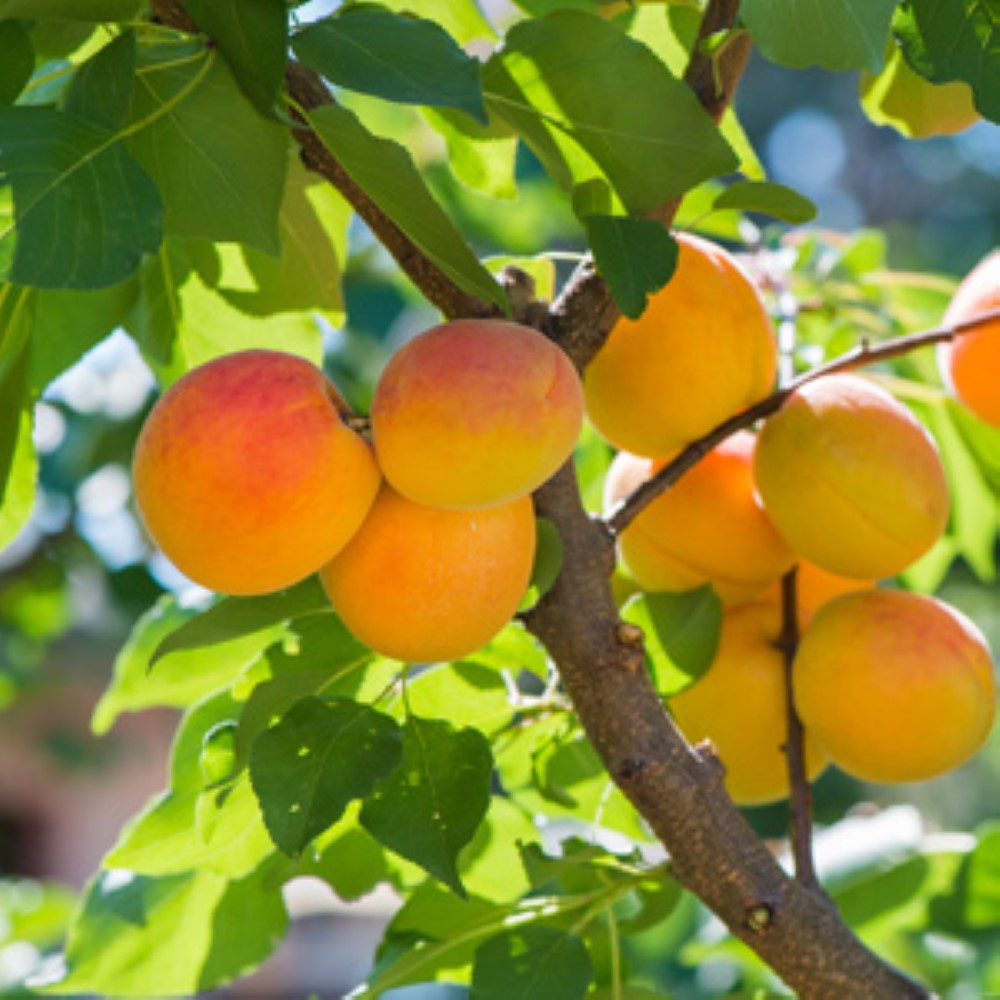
x=740 y=705
x=850 y=479
x=247 y=476
x=708 y=527
x=474 y=413
x=971 y=362
x=703 y=350
x=895 y=686
x=424 y=584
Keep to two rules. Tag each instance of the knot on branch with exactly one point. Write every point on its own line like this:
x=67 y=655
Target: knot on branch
x=630 y=635
x=629 y=768
x=759 y=918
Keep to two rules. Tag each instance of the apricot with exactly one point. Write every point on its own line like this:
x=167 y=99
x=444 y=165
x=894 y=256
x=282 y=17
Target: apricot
x=850 y=479
x=740 y=705
x=424 y=584
x=971 y=362
x=247 y=476
x=895 y=686
x=703 y=350
x=474 y=413
x=708 y=527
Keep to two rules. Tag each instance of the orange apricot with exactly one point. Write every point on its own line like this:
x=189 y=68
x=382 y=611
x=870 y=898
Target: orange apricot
x=424 y=584
x=971 y=362
x=850 y=478
x=474 y=413
x=895 y=686
x=740 y=705
x=247 y=476
x=708 y=527
x=703 y=350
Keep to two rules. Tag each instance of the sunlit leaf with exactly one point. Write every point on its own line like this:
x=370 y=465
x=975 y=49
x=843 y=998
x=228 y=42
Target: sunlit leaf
x=532 y=963
x=767 y=198
x=71 y=10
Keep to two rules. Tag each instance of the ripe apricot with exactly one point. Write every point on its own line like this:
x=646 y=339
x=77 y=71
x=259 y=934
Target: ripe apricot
x=474 y=413
x=895 y=686
x=740 y=705
x=425 y=584
x=708 y=527
x=850 y=478
x=703 y=350
x=247 y=476
x=971 y=362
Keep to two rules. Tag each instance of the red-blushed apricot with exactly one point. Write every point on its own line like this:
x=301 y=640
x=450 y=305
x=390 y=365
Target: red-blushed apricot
x=740 y=705
x=424 y=584
x=851 y=479
x=971 y=362
x=247 y=476
x=896 y=687
x=708 y=527
x=703 y=350
x=474 y=413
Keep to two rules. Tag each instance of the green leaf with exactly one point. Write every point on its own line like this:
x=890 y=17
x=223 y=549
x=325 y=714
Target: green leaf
x=767 y=198
x=347 y=858
x=17 y=488
x=252 y=36
x=832 y=34
x=218 y=164
x=575 y=75
x=18 y=60
x=462 y=19
x=954 y=41
x=387 y=174
x=469 y=694
x=101 y=90
x=400 y=58
x=490 y=865
x=71 y=10
x=85 y=211
x=428 y=809
x=513 y=649
x=636 y=256
x=973 y=901
x=548 y=556
x=682 y=634
x=314 y=762
x=481 y=158
x=532 y=963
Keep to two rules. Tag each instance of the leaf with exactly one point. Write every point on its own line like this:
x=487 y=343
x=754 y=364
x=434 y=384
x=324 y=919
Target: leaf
x=428 y=809
x=682 y=634
x=532 y=963
x=17 y=494
x=71 y=10
x=574 y=75
x=85 y=211
x=636 y=256
x=462 y=19
x=514 y=649
x=954 y=41
x=347 y=858
x=469 y=694
x=548 y=556
x=18 y=60
x=481 y=158
x=252 y=36
x=387 y=174
x=832 y=34
x=101 y=90
x=490 y=864
x=219 y=166
x=767 y=198
x=973 y=900
x=401 y=58
x=314 y=762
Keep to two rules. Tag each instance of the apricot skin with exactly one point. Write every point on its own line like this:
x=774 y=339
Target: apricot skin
x=971 y=362
x=850 y=479
x=247 y=476
x=740 y=705
x=474 y=413
x=707 y=527
x=703 y=350
x=895 y=686
x=427 y=584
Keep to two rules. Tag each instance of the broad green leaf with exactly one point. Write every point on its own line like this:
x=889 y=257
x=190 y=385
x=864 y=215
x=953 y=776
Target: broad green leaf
x=36 y=913
x=972 y=901
x=532 y=963
x=17 y=495
x=401 y=58
x=314 y=762
x=463 y=694
x=347 y=858
x=71 y=10
x=429 y=808
x=15 y=333
x=387 y=174
x=101 y=90
x=513 y=649
x=767 y=198
x=252 y=36
x=85 y=211
x=18 y=61
x=682 y=634
x=219 y=165
x=636 y=256
x=576 y=74
x=490 y=864
x=954 y=41
x=462 y=19
x=482 y=158
x=833 y=34
x=982 y=440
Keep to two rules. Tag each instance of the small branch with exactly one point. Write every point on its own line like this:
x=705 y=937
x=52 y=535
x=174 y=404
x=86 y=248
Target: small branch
x=865 y=354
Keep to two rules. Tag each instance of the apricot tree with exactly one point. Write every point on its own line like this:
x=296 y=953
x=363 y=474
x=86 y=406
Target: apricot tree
x=456 y=646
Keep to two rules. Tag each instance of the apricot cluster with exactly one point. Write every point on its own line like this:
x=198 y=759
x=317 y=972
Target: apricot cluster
x=250 y=476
